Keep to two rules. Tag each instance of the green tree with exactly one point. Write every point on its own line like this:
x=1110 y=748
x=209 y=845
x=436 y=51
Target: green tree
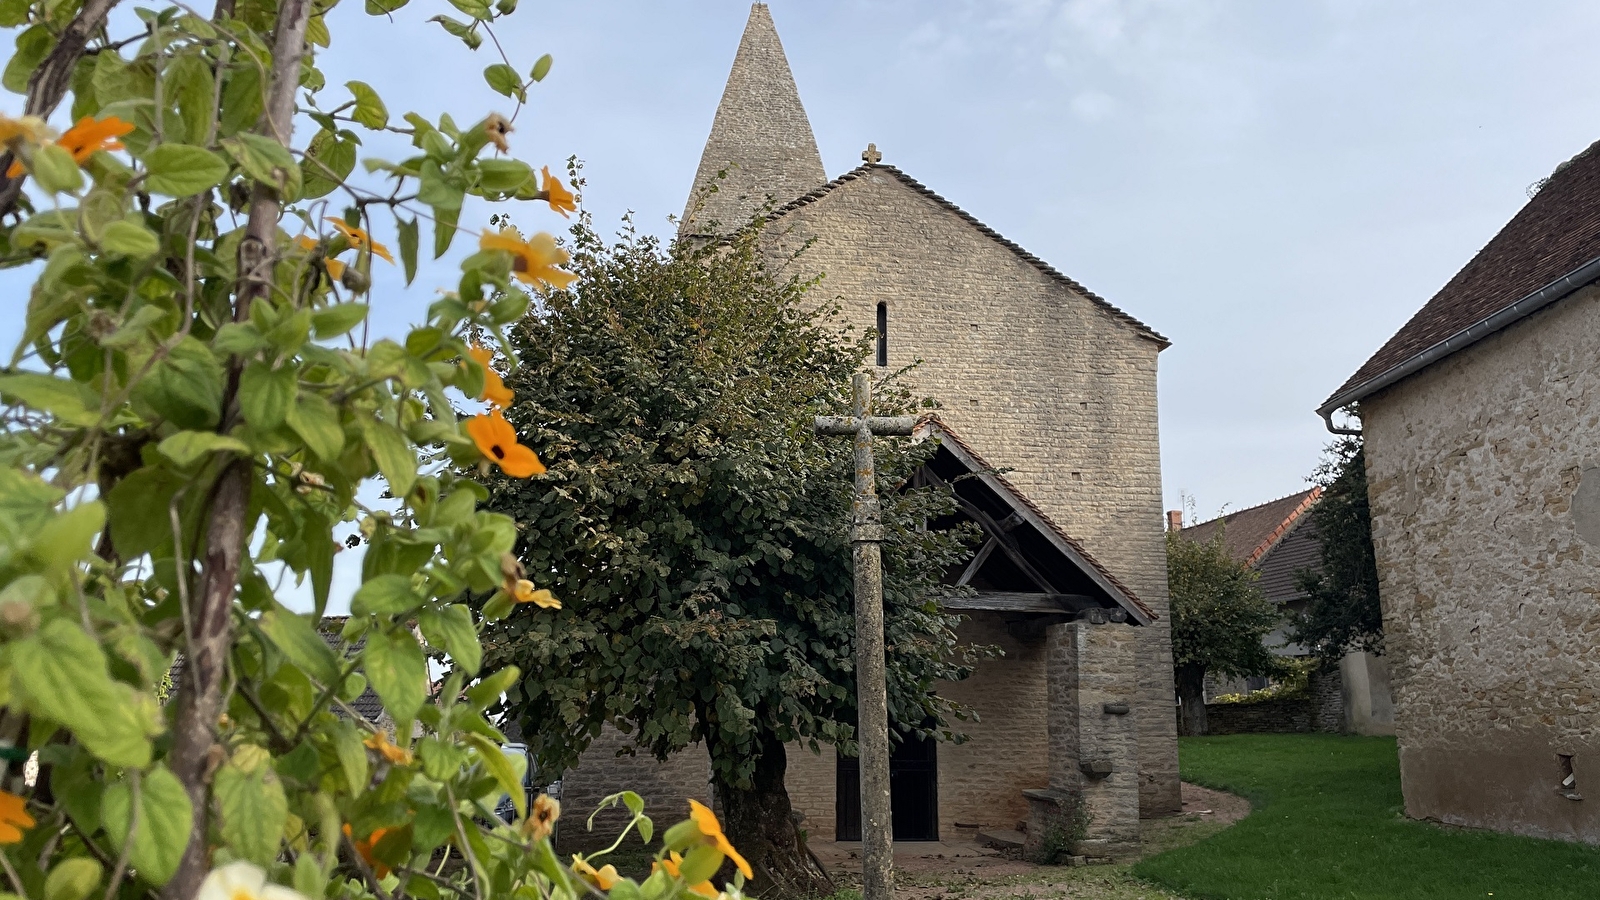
x=1343 y=613
x=695 y=530
x=1219 y=618
x=189 y=418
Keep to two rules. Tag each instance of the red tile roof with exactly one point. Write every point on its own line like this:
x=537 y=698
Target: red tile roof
x=1250 y=533
x=1555 y=234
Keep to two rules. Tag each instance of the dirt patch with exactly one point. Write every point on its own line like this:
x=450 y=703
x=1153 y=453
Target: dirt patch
x=965 y=870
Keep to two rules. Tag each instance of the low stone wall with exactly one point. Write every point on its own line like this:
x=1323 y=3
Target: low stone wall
x=1320 y=708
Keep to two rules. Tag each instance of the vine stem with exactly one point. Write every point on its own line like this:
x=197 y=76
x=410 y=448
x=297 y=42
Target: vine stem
x=211 y=630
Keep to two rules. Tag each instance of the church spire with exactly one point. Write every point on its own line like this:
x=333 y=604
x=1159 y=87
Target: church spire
x=761 y=136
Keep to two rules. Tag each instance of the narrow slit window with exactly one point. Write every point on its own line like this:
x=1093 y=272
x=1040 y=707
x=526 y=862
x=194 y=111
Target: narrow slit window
x=883 y=334
x=1568 y=786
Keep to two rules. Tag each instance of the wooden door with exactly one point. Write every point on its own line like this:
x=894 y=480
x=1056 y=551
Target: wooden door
x=913 y=793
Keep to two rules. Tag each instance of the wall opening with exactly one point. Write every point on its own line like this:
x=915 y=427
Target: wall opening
x=883 y=334
x=1568 y=786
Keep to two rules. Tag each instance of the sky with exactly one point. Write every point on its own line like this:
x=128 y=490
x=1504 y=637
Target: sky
x=1276 y=187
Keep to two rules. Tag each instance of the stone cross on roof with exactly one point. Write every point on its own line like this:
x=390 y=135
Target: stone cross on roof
x=871 y=154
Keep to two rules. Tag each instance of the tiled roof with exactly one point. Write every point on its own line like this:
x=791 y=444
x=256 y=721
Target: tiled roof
x=1554 y=235
x=1250 y=533
x=1055 y=274
x=1296 y=550
x=1119 y=591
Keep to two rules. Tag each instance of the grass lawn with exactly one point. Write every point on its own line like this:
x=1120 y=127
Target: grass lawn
x=1327 y=824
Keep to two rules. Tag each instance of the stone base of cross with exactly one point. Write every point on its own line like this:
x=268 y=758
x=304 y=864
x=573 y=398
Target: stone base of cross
x=872 y=700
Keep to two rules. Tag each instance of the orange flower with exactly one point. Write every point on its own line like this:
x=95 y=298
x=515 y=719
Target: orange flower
x=533 y=261
x=14 y=818
x=364 y=848
x=706 y=821
x=497 y=440
x=560 y=199
x=85 y=139
x=359 y=239
x=542 y=818
x=379 y=742
x=524 y=592
x=494 y=388
x=671 y=864
x=335 y=268
x=604 y=878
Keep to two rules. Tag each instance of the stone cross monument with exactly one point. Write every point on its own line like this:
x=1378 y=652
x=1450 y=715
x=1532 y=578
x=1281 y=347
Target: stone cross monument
x=872 y=701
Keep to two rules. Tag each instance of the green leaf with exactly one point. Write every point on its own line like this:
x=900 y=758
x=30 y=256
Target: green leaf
x=499 y=766
x=62 y=673
x=32 y=47
x=241 y=101
x=502 y=176
x=266 y=161
x=438 y=190
x=542 y=67
x=369 y=110
x=66 y=538
x=299 y=641
x=140 y=510
x=332 y=321
x=186 y=447
x=164 y=820
x=503 y=79
x=488 y=691
x=73 y=879
x=352 y=755
x=180 y=170
x=266 y=395
x=329 y=159
x=471 y=38
x=319 y=559
x=478 y=9
x=408 y=246
x=317 y=422
x=700 y=864
x=385 y=595
x=384 y=7
x=130 y=239
x=14 y=13
x=395 y=457
x=187 y=79
x=451 y=628
x=254 y=811
x=398 y=671
x=186 y=387
x=444 y=230
x=70 y=401
x=56 y=171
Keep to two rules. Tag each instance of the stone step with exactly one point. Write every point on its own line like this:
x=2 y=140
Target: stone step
x=1002 y=838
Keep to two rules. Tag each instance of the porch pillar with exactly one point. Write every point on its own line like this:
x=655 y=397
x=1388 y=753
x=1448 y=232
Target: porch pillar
x=1092 y=679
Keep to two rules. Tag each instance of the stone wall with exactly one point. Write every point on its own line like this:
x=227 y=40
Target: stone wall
x=1036 y=376
x=665 y=786
x=1320 y=708
x=1484 y=480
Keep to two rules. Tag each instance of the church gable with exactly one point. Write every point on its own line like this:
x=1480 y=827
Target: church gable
x=921 y=226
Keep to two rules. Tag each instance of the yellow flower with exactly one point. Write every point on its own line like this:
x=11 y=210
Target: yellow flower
x=603 y=878
x=244 y=881
x=379 y=743
x=335 y=268
x=365 y=846
x=496 y=127
x=497 y=440
x=542 y=818
x=359 y=239
x=494 y=388
x=671 y=864
x=14 y=818
x=560 y=199
x=533 y=261
x=706 y=821
x=29 y=129
x=525 y=593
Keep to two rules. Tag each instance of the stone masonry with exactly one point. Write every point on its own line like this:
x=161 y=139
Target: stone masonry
x=1484 y=481
x=1048 y=380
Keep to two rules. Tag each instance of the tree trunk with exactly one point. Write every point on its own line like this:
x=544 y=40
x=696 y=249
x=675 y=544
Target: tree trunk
x=760 y=823
x=1192 y=700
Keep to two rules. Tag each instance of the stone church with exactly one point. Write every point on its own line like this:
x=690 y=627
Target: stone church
x=1037 y=377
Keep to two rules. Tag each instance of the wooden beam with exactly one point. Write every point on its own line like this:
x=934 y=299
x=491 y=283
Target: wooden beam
x=977 y=562
x=1015 y=601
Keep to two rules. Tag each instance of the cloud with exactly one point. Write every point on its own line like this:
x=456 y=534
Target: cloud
x=1093 y=106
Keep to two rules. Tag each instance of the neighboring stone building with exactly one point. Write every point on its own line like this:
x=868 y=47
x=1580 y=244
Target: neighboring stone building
x=1481 y=421
x=1278 y=539
x=1051 y=383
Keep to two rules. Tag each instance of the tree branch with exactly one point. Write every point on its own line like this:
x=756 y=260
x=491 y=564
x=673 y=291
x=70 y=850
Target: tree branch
x=200 y=702
x=49 y=83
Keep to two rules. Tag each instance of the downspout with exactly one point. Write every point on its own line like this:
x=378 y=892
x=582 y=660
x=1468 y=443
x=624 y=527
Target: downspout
x=1556 y=290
